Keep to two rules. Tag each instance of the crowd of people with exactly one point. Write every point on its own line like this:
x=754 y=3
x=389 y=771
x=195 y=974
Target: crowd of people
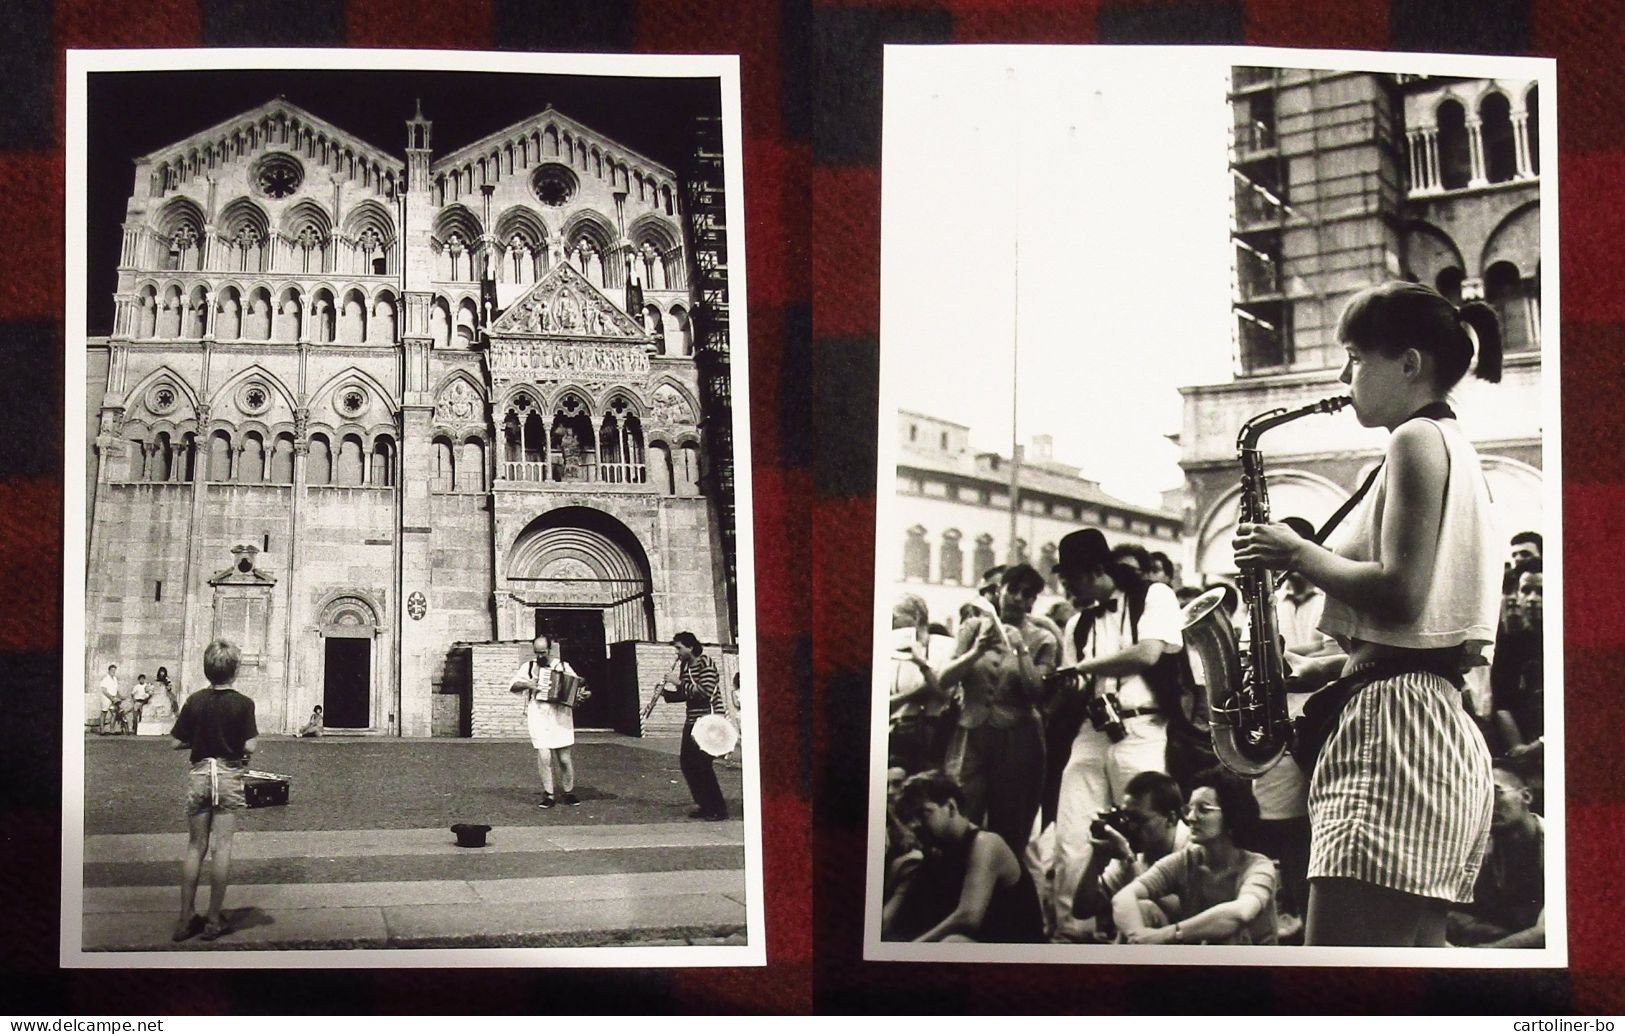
x=1050 y=776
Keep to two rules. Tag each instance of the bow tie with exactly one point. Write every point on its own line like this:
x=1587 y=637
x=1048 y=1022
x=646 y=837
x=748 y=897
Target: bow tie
x=1104 y=607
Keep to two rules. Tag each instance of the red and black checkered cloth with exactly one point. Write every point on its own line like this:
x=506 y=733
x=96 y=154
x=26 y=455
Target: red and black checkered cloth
x=811 y=75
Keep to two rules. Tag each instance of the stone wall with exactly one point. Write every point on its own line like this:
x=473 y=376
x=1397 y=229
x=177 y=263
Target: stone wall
x=495 y=712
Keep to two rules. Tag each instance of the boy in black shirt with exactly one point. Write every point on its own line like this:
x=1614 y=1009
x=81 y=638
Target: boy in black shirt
x=218 y=725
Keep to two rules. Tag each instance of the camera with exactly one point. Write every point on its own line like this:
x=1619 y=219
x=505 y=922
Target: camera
x=1120 y=820
x=1106 y=716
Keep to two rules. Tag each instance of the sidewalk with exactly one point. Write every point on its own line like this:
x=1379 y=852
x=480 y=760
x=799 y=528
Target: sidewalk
x=627 y=867
x=661 y=883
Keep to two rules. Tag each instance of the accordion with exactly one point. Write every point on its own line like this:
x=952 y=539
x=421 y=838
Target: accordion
x=562 y=688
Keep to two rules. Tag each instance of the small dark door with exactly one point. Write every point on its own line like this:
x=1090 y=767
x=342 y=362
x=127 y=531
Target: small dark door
x=345 y=683
x=578 y=636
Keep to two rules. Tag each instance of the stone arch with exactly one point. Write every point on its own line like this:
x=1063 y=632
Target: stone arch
x=222 y=397
x=384 y=322
x=1292 y=493
x=381 y=408
x=245 y=237
x=1455 y=161
x=440 y=321
x=456 y=243
x=308 y=229
x=186 y=397
x=288 y=318
x=180 y=227
x=591 y=559
x=1430 y=252
x=371 y=232
x=1500 y=149
x=589 y=245
x=228 y=324
x=1515 y=239
x=352 y=317
x=523 y=242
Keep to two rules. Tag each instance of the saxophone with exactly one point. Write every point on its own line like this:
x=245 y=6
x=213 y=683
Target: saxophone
x=1247 y=710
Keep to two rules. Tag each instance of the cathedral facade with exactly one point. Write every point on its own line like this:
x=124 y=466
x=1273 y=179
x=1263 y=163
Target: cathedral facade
x=382 y=420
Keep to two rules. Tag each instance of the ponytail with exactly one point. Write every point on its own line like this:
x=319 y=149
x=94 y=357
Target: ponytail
x=1398 y=314
x=1486 y=327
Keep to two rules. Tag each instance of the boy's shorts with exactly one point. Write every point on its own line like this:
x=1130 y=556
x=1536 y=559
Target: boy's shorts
x=214 y=785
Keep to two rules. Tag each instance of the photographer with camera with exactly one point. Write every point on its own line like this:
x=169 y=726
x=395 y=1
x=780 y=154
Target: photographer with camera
x=1226 y=893
x=1109 y=649
x=1125 y=842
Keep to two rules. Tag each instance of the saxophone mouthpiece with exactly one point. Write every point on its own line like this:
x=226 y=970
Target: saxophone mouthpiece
x=1336 y=402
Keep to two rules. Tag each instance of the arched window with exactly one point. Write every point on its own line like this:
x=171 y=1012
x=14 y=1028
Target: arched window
x=381 y=471
x=471 y=468
x=620 y=445
x=135 y=459
x=289 y=313
x=571 y=442
x=251 y=464
x=445 y=467
x=382 y=328
x=257 y=317
x=660 y=468
x=1448 y=283
x=319 y=463
x=169 y=314
x=524 y=438
x=916 y=556
x=282 y=460
x=1513 y=297
x=353 y=319
x=1500 y=149
x=1531 y=103
x=982 y=559
x=1455 y=159
x=229 y=317
x=686 y=469
x=950 y=558
x=219 y=468
x=347 y=467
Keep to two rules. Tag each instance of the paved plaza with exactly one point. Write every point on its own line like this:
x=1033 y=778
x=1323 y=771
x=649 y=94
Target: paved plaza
x=362 y=856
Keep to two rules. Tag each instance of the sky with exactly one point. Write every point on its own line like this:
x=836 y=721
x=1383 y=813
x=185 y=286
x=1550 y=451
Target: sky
x=134 y=113
x=1106 y=173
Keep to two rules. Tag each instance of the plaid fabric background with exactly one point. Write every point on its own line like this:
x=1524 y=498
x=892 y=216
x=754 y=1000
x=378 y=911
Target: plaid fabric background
x=811 y=74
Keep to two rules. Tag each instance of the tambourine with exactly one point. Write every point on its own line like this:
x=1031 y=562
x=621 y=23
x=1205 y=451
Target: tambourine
x=715 y=735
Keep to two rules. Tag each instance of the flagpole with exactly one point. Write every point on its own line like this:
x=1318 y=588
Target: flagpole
x=1015 y=347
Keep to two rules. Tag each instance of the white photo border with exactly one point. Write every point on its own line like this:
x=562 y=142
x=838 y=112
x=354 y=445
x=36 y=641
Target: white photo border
x=909 y=70
x=83 y=63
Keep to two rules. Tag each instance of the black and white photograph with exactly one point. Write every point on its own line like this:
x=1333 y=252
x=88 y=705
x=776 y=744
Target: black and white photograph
x=408 y=604
x=1217 y=489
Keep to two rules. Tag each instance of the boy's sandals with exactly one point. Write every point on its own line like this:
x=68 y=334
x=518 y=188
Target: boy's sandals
x=188 y=928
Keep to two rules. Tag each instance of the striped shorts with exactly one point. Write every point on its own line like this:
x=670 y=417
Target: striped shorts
x=1402 y=794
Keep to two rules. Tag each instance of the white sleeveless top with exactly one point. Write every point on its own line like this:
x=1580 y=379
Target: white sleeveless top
x=1464 y=598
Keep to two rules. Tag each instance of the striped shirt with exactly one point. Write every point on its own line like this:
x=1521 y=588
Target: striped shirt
x=701 y=686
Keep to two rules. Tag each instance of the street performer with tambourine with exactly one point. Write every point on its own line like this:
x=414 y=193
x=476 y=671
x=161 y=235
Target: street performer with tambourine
x=552 y=689
x=700 y=685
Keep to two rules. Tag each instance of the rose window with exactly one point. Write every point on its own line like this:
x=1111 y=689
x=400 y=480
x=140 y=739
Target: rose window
x=278 y=175
x=352 y=401
x=553 y=185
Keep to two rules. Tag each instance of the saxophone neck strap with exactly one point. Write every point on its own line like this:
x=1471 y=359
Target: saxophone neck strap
x=1431 y=411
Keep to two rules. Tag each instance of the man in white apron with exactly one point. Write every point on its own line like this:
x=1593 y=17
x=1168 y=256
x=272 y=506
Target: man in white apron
x=552 y=726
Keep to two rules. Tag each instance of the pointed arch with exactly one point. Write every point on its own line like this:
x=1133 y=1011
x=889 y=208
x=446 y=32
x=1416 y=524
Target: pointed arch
x=354 y=373
x=254 y=371
x=188 y=395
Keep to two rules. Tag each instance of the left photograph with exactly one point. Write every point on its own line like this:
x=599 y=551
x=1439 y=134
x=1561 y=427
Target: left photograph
x=411 y=616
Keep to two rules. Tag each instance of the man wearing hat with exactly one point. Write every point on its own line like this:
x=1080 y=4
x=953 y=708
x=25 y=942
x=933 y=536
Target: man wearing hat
x=1110 y=644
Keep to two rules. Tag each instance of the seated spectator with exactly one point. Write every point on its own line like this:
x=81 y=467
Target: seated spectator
x=1146 y=830
x=1226 y=893
x=1508 y=909
x=969 y=887
x=314 y=726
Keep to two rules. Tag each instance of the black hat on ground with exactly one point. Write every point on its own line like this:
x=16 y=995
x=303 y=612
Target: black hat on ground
x=470 y=835
x=1082 y=550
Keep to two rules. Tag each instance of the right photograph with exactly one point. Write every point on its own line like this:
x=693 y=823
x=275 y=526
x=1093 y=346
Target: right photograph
x=1218 y=487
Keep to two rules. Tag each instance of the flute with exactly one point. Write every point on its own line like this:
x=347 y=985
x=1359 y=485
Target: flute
x=654 y=697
